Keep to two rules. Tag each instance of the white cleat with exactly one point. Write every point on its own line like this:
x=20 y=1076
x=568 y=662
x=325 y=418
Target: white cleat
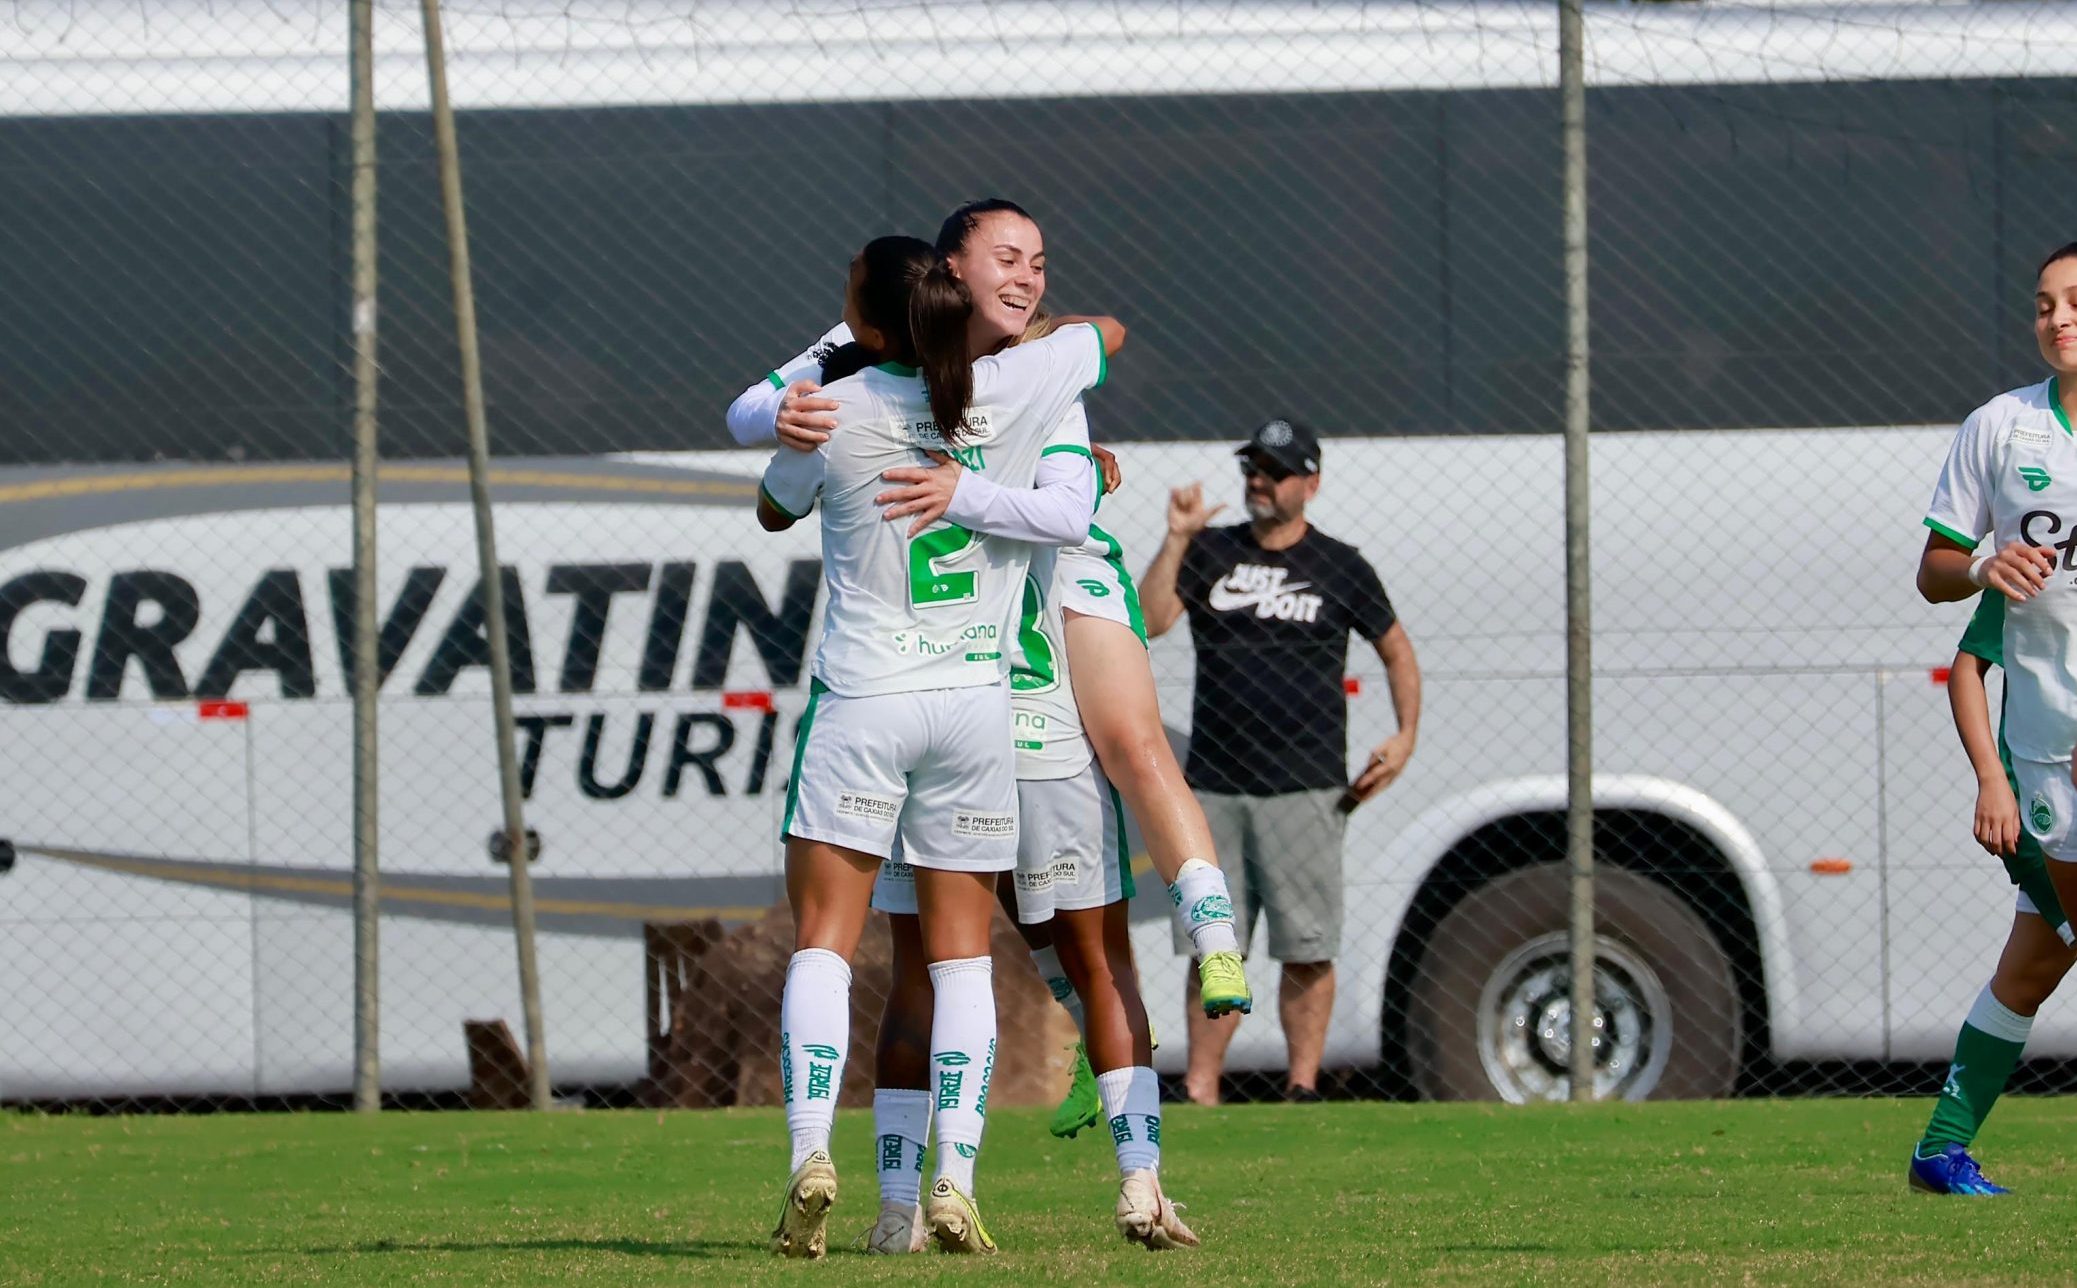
x=803 y=1229
x=899 y=1231
x=954 y=1220
x=1146 y=1217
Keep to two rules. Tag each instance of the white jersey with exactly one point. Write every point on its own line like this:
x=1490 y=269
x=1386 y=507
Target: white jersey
x=2012 y=474
x=1048 y=724
x=932 y=613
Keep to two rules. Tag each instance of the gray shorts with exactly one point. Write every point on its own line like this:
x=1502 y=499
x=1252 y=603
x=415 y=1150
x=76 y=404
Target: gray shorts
x=1281 y=854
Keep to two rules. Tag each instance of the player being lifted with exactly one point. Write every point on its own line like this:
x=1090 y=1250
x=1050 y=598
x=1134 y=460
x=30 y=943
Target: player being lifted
x=904 y=735
x=2012 y=474
x=1072 y=855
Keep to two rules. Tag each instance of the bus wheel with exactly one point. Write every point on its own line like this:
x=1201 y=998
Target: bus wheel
x=1489 y=1016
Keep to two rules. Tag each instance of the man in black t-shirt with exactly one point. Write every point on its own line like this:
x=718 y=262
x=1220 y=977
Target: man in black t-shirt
x=1272 y=603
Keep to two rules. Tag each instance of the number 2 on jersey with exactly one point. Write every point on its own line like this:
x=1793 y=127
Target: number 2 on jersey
x=930 y=586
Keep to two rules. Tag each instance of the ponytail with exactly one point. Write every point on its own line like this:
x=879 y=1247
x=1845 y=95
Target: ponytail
x=939 y=311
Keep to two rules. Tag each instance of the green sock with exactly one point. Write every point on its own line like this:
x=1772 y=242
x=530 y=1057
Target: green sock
x=1984 y=1054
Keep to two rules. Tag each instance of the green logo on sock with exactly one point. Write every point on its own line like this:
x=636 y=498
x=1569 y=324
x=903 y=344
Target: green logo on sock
x=1213 y=907
x=966 y=1151
x=1121 y=1129
x=890 y=1153
x=953 y=1058
x=948 y=1088
x=1153 y=1129
x=819 y=1079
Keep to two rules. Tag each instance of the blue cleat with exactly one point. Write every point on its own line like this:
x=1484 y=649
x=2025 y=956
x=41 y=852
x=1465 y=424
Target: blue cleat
x=1951 y=1171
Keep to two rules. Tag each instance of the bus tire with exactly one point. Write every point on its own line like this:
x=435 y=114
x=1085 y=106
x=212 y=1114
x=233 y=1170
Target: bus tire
x=1488 y=1013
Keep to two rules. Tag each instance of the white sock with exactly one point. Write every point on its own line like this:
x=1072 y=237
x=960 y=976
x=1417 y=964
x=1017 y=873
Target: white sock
x=1204 y=908
x=1132 y=1106
x=901 y=1120
x=1050 y=970
x=814 y=1035
x=962 y=1059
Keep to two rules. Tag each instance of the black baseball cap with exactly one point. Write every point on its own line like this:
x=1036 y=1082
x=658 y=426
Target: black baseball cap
x=1286 y=442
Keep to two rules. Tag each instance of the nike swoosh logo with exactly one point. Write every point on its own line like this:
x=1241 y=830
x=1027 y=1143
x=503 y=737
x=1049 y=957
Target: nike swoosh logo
x=1224 y=599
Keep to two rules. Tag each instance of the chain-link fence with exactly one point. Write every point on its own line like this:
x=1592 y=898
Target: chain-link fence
x=1814 y=229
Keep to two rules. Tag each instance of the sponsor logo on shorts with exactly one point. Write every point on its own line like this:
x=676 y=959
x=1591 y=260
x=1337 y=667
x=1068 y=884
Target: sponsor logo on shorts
x=894 y=870
x=984 y=825
x=2041 y=814
x=1213 y=907
x=1096 y=589
x=873 y=809
x=1033 y=882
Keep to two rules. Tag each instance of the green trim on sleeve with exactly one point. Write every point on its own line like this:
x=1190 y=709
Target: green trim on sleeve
x=765 y=493
x=778 y=382
x=1950 y=533
x=1103 y=360
x=1084 y=453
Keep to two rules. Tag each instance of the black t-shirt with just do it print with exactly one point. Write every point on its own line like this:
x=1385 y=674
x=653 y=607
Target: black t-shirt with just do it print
x=1271 y=630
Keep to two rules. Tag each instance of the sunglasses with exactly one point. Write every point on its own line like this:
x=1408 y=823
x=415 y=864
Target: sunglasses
x=1250 y=467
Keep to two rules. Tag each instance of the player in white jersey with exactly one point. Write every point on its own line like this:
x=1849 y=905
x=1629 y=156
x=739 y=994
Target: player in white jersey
x=2010 y=482
x=906 y=733
x=995 y=248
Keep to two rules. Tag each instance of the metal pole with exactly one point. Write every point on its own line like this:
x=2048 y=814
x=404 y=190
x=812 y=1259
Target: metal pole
x=487 y=552
x=1579 y=671
x=367 y=888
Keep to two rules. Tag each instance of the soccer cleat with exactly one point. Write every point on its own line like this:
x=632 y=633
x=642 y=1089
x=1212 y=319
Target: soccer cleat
x=1146 y=1217
x=1951 y=1171
x=1222 y=985
x=1083 y=1107
x=804 y=1219
x=899 y=1231
x=954 y=1220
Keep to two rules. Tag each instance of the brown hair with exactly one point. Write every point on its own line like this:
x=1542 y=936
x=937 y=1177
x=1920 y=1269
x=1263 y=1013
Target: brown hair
x=939 y=310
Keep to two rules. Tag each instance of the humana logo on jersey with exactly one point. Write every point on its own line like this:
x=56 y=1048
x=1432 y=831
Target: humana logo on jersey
x=1265 y=590
x=978 y=640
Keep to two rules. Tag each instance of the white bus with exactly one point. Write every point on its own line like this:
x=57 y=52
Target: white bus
x=1785 y=811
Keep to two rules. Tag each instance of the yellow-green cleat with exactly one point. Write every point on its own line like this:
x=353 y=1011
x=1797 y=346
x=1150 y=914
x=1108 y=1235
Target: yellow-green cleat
x=1083 y=1107
x=954 y=1220
x=1222 y=985
x=804 y=1216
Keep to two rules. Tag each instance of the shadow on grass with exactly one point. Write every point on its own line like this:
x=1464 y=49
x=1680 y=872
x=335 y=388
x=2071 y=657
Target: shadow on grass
x=688 y=1248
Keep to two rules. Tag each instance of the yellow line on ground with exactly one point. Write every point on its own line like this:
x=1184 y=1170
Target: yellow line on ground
x=273 y=883
x=159 y=480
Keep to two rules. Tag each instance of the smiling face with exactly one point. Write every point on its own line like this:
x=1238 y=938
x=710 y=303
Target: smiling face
x=2055 y=316
x=1003 y=264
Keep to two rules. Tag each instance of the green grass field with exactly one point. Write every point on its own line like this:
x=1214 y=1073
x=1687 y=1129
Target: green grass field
x=1807 y=1192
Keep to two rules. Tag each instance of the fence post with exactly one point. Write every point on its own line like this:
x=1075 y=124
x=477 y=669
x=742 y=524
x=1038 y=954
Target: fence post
x=515 y=844
x=367 y=677
x=1579 y=671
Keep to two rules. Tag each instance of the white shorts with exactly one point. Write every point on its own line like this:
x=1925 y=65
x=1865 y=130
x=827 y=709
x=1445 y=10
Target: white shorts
x=1071 y=851
x=932 y=769
x=2047 y=805
x=1094 y=583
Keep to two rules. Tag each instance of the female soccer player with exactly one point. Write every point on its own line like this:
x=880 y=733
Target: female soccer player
x=904 y=732
x=2012 y=475
x=993 y=246
x=1071 y=815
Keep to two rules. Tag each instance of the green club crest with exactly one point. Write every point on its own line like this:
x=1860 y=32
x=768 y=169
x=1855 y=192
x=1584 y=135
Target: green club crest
x=2041 y=814
x=2036 y=478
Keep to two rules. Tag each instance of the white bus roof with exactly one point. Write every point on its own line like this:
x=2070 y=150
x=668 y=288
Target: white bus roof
x=119 y=57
